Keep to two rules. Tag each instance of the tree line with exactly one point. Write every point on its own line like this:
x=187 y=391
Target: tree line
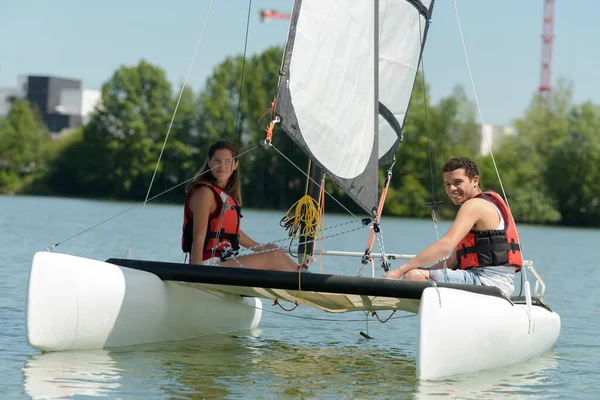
x=550 y=169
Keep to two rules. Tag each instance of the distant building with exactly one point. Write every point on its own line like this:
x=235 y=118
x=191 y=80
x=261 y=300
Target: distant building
x=62 y=103
x=7 y=96
x=58 y=101
x=89 y=100
x=495 y=134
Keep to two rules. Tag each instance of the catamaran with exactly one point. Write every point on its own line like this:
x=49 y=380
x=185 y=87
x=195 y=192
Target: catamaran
x=345 y=84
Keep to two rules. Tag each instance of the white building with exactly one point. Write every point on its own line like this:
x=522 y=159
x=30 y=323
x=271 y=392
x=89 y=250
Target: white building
x=90 y=99
x=492 y=135
x=7 y=95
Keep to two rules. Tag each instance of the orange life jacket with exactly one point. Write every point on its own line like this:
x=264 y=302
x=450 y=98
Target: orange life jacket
x=223 y=224
x=491 y=247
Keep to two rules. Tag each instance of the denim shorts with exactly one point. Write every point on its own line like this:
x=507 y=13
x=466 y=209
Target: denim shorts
x=462 y=276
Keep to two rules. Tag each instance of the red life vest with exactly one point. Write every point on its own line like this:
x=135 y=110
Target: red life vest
x=491 y=247
x=223 y=224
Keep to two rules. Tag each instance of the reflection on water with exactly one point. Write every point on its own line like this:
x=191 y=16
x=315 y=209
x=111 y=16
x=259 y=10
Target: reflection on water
x=217 y=367
x=251 y=367
x=526 y=380
x=56 y=375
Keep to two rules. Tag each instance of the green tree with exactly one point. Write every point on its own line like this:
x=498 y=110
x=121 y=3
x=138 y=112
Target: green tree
x=22 y=138
x=180 y=155
x=410 y=187
x=464 y=128
x=122 y=142
x=523 y=159
x=549 y=169
x=573 y=173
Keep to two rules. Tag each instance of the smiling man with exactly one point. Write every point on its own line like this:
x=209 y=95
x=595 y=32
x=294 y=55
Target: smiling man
x=482 y=245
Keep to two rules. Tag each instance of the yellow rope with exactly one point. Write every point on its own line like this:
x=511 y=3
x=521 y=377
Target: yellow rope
x=303 y=218
x=305 y=211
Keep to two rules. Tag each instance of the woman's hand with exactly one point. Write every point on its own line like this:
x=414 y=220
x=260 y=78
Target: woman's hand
x=268 y=246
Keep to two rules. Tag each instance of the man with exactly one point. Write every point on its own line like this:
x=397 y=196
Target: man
x=483 y=241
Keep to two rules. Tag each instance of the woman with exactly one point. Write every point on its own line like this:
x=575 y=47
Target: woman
x=212 y=216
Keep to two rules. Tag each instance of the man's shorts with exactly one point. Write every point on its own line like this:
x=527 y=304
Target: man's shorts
x=462 y=276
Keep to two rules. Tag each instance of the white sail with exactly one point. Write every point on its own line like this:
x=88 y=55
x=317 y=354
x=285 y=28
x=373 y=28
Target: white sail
x=402 y=31
x=334 y=49
x=347 y=78
x=326 y=97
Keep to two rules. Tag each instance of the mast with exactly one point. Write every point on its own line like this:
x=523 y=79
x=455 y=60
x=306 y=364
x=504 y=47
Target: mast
x=376 y=71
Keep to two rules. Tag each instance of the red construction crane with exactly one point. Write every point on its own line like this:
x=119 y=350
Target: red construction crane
x=266 y=15
x=548 y=35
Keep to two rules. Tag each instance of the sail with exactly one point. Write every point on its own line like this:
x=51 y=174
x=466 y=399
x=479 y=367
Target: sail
x=326 y=96
x=346 y=81
x=402 y=32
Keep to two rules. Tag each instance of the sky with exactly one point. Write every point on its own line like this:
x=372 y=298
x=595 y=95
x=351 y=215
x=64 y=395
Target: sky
x=90 y=39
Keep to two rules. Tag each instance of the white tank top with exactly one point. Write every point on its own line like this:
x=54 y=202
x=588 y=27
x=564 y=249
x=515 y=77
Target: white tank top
x=502 y=277
x=501 y=225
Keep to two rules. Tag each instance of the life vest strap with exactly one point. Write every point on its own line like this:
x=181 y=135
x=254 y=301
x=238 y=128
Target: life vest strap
x=484 y=248
x=234 y=239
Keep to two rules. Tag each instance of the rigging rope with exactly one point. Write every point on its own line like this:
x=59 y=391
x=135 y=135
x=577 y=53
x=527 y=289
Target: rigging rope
x=271 y=125
x=312 y=180
x=523 y=270
x=433 y=202
x=147 y=197
x=162 y=149
x=187 y=75
x=376 y=228
x=51 y=247
x=196 y=286
x=249 y=250
x=243 y=68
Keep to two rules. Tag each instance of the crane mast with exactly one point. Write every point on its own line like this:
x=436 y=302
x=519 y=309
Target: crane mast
x=545 y=87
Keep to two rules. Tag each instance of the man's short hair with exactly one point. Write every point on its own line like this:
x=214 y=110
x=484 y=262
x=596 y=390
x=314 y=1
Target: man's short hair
x=465 y=163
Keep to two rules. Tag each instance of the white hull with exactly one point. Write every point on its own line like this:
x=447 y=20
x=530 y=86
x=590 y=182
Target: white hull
x=463 y=332
x=78 y=303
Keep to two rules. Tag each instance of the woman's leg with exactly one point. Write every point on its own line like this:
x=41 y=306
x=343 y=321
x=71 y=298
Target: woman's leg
x=272 y=260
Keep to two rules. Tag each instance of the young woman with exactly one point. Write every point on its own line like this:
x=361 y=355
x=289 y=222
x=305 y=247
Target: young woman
x=212 y=216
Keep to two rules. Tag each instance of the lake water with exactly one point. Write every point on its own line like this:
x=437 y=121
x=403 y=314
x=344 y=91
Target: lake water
x=301 y=354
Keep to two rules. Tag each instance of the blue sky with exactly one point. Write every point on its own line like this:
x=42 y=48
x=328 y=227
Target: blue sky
x=89 y=39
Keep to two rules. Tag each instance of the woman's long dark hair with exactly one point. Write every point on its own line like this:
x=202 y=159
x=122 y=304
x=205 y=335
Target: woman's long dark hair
x=204 y=175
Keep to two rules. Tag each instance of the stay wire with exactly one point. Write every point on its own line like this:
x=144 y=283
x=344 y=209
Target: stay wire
x=49 y=248
x=312 y=180
x=523 y=270
x=242 y=77
x=427 y=121
x=187 y=75
x=434 y=203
